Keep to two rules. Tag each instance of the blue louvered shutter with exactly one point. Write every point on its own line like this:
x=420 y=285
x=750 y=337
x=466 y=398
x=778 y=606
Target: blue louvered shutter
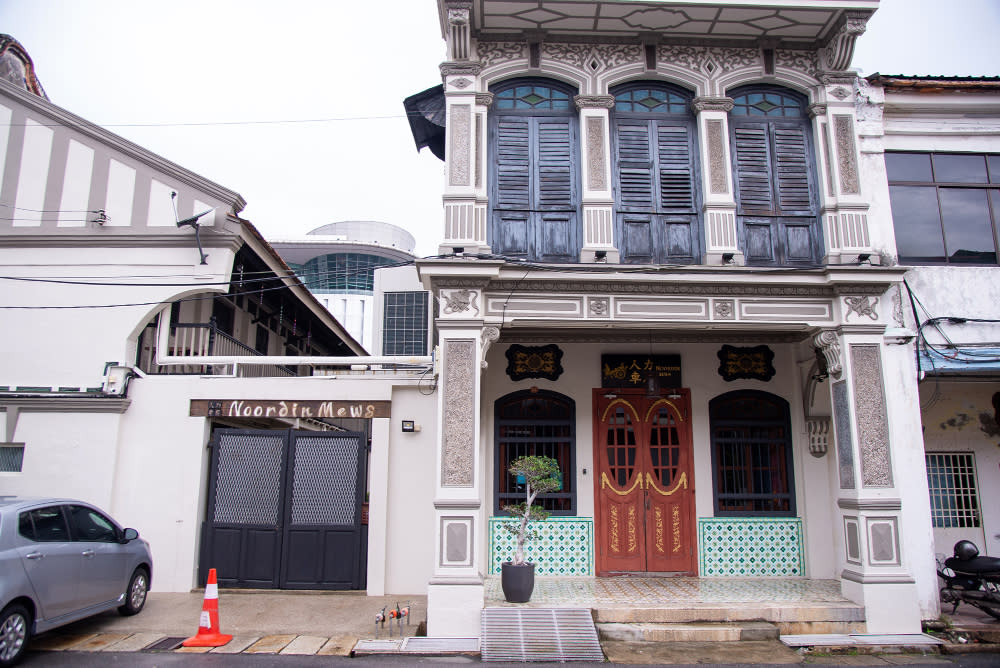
x=635 y=166
x=676 y=171
x=751 y=145
x=513 y=163
x=554 y=164
x=791 y=165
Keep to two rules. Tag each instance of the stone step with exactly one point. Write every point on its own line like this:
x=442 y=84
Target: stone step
x=805 y=618
x=689 y=632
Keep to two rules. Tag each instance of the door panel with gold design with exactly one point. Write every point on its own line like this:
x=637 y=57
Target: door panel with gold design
x=643 y=471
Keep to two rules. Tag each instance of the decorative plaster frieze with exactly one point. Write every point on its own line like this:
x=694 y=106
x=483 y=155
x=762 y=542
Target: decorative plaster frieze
x=594 y=101
x=863 y=306
x=593 y=58
x=712 y=104
x=600 y=307
x=840 y=93
x=492 y=53
x=461 y=83
x=596 y=162
x=844 y=435
x=613 y=335
x=843 y=127
x=870 y=415
x=460 y=134
x=725 y=309
x=746 y=289
x=718 y=166
x=466 y=68
x=802 y=61
x=459 y=301
x=829 y=344
x=706 y=58
x=459 y=400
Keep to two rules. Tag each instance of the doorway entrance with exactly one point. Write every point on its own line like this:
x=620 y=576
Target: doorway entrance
x=284 y=510
x=644 y=482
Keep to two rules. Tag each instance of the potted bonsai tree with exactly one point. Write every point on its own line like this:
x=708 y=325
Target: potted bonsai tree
x=538 y=474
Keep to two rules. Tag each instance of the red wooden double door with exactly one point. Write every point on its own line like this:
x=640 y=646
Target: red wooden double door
x=644 y=482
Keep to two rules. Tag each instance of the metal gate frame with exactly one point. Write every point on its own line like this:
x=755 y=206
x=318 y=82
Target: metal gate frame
x=276 y=553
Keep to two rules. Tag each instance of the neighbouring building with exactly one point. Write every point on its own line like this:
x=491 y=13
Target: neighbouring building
x=678 y=256
x=337 y=262
x=160 y=359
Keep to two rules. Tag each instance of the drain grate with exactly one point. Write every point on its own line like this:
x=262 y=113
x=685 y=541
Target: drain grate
x=429 y=646
x=164 y=645
x=539 y=634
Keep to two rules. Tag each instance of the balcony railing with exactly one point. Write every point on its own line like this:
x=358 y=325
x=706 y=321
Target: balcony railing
x=190 y=340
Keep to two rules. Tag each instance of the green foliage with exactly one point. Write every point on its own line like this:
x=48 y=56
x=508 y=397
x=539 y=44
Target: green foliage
x=541 y=475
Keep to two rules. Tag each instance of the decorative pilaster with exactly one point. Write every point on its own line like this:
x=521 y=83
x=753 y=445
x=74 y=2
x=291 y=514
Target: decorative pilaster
x=869 y=506
x=465 y=162
x=598 y=200
x=459 y=33
x=718 y=203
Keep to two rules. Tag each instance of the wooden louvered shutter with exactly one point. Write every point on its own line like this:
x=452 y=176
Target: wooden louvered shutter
x=791 y=166
x=513 y=163
x=753 y=168
x=635 y=166
x=673 y=144
x=555 y=164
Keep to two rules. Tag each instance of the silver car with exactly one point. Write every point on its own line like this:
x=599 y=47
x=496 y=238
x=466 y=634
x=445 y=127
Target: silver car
x=62 y=560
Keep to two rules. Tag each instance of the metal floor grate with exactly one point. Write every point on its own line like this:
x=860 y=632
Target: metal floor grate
x=539 y=634
x=858 y=639
x=164 y=645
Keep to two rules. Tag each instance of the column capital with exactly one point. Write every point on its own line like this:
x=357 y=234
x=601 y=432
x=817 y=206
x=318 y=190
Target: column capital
x=484 y=99
x=453 y=67
x=712 y=104
x=594 y=101
x=829 y=344
x=817 y=109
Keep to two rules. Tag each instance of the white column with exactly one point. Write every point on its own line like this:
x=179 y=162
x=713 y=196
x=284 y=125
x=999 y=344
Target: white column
x=378 y=506
x=597 y=202
x=875 y=568
x=718 y=198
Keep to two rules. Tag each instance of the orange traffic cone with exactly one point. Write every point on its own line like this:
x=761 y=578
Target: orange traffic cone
x=208 y=626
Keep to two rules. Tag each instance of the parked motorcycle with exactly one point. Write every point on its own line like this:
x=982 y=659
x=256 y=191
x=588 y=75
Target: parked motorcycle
x=970 y=578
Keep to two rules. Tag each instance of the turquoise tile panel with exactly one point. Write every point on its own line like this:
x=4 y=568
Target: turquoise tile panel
x=751 y=547
x=565 y=546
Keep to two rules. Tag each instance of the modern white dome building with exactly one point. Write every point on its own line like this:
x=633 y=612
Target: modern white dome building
x=337 y=262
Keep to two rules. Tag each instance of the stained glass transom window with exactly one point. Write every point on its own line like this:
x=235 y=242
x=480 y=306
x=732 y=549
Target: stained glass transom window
x=766 y=104
x=532 y=97
x=651 y=100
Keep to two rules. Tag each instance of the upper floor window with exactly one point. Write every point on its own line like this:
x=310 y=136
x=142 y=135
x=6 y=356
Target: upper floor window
x=534 y=192
x=945 y=206
x=776 y=196
x=655 y=175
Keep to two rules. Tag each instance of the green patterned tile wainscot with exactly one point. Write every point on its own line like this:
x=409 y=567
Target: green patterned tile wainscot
x=751 y=547
x=565 y=546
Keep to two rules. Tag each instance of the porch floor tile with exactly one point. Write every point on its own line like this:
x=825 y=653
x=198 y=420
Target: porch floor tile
x=680 y=592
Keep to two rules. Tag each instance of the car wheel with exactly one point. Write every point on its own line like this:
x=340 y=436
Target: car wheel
x=135 y=595
x=15 y=626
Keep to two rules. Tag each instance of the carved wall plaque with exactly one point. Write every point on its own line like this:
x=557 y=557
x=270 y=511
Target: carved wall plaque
x=756 y=363
x=534 y=362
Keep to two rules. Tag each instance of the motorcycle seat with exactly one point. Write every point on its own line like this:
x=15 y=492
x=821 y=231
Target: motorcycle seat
x=976 y=565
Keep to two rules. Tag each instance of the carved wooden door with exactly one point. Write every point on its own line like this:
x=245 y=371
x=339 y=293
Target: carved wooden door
x=643 y=473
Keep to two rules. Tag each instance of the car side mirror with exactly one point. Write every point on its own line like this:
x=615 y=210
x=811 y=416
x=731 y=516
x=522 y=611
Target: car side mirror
x=130 y=534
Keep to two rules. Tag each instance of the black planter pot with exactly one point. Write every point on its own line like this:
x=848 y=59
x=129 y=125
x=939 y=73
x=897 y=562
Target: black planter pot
x=517 y=581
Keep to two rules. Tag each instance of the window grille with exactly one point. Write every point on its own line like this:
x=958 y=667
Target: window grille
x=11 y=458
x=529 y=423
x=404 y=323
x=951 y=480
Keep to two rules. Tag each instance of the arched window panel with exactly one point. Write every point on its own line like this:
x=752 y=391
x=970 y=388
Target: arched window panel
x=534 y=172
x=535 y=423
x=534 y=97
x=764 y=103
x=656 y=174
x=775 y=177
x=751 y=455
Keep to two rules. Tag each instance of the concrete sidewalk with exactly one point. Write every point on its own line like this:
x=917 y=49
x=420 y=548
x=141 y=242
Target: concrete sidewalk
x=272 y=620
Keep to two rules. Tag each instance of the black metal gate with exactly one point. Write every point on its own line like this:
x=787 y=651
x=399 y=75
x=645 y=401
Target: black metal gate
x=284 y=510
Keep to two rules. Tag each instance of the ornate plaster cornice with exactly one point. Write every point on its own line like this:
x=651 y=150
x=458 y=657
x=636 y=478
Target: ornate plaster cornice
x=747 y=289
x=712 y=104
x=452 y=67
x=839 y=51
x=594 y=101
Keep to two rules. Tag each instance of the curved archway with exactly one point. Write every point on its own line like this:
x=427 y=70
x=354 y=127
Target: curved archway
x=530 y=422
x=752 y=471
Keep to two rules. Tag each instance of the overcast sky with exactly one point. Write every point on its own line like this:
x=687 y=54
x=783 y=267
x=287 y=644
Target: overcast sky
x=300 y=102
